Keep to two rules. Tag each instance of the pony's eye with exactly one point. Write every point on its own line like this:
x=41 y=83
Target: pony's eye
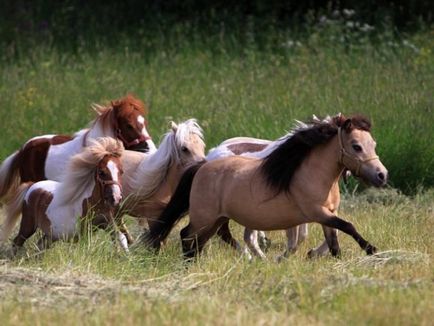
x=130 y=127
x=184 y=149
x=101 y=173
x=357 y=148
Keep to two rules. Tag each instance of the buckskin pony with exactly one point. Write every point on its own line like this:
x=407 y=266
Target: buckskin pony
x=260 y=148
x=296 y=183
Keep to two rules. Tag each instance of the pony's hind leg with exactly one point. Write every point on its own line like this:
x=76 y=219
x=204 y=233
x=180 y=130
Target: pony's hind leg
x=225 y=234
x=251 y=240
x=27 y=229
x=193 y=239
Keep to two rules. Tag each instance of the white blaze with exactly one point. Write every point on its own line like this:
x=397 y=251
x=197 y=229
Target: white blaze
x=117 y=194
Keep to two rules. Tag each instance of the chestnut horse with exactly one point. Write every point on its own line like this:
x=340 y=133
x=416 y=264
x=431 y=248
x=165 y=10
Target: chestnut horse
x=260 y=148
x=45 y=157
x=296 y=183
x=92 y=181
x=150 y=179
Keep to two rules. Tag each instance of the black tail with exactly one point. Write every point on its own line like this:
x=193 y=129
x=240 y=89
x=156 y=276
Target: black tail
x=176 y=209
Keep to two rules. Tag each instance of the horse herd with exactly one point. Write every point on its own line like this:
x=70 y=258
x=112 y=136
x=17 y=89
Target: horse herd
x=113 y=168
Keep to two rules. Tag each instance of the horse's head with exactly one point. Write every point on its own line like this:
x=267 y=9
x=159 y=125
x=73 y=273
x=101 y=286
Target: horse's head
x=130 y=123
x=357 y=151
x=190 y=146
x=108 y=177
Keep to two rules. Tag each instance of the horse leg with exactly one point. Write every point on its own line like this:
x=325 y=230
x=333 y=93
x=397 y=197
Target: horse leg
x=27 y=229
x=319 y=251
x=302 y=233
x=251 y=240
x=292 y=242
x=263 y=241
x=348 y=228
x=225 y=234
x=194 y=238
x=124 y=230
x=331 y=236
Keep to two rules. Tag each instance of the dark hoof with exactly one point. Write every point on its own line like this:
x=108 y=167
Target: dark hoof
x=370 y=250
x=264 y=243
x=336 y=253
x=310 y=254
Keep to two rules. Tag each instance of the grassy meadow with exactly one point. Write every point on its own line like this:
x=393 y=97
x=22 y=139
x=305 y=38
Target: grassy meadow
x=254 y=84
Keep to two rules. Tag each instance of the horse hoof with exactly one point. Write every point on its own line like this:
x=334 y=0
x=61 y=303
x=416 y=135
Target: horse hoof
x=370 y=250
x=264 y=243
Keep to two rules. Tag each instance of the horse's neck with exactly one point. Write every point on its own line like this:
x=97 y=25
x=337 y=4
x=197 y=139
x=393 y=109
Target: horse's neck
x=321 y=167
x=97 y=130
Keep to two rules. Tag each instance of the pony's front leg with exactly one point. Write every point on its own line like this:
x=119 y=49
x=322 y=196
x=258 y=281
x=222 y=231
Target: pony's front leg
x=332 y=221
x=124 y=230
x=251 y=240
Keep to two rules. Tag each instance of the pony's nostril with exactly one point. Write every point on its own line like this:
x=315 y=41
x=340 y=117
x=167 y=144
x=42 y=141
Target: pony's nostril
x=381 y=176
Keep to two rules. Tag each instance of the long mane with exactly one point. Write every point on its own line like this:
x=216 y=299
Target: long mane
x=153 y=170
x=79 y=176
x=279 y=166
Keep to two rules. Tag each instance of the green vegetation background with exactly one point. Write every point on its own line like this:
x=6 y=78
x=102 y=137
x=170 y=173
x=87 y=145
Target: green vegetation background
x=239 y=69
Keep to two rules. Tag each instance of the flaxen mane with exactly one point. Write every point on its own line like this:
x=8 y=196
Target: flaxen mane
x=153 y=171
x=80 y=171
x=280 y=165
x=107 y=114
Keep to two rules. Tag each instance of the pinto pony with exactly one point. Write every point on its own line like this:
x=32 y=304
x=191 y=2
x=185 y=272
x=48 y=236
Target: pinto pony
x=92 y=181
x=296 y=183
x=45 y=157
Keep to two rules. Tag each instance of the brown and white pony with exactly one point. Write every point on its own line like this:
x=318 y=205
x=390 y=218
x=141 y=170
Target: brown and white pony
x=92 y=181
x=45 y=157
x=296 y=183
x=150 y=179
x=260 y=148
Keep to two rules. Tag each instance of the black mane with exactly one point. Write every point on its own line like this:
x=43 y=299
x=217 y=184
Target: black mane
x=280 y=165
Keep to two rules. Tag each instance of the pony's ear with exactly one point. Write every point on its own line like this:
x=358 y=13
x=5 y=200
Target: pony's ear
x=347 y=125
x=173 y=126
x=115 y=104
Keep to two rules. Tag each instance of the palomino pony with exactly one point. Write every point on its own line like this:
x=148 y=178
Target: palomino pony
x=92 y=181
x=296 y=183
x=260 y=148
x=45 y=157
x=150 y=179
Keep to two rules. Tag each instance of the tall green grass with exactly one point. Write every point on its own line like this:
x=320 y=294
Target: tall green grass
x=250 y=82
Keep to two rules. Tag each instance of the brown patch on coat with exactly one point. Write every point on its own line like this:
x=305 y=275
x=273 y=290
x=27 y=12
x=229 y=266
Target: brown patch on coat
x=241 y=148
x=31 y=158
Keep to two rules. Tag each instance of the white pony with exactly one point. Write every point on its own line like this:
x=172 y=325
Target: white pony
x=150 y=179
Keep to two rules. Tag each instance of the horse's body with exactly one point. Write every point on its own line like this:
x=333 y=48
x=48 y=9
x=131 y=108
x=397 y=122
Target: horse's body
x=150 y=179
x=260 y=148
x=92 y=181
x=296 y=183
x=45 y=157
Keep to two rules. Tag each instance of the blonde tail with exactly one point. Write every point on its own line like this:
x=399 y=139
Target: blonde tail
x=9 y=175
x=13 y=210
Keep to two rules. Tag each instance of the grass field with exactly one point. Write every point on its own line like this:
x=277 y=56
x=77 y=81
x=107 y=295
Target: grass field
x=233 y=89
